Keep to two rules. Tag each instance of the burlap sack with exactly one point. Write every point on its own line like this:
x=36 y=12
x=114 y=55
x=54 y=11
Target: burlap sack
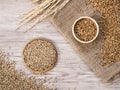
x=64 y=19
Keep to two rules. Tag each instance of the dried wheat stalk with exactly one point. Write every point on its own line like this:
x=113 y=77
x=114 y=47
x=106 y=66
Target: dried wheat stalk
x=43 y=10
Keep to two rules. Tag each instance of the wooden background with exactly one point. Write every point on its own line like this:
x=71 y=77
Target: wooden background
x=70 y=71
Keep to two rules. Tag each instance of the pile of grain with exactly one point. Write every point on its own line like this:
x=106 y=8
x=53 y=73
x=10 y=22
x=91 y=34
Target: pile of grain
x=110 y=13
x=40 y=55
x=85 y=29
x=11 y=79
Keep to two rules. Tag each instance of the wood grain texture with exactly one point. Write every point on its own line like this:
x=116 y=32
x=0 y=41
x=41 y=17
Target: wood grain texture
x=70 y=71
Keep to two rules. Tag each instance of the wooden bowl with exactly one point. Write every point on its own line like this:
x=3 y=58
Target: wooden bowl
x=73 y=30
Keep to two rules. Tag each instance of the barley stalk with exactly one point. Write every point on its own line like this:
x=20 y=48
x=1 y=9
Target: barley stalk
x=43 y=10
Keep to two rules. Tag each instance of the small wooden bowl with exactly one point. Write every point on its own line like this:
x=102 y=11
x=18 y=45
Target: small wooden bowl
x=47 y=69
x=73 y=30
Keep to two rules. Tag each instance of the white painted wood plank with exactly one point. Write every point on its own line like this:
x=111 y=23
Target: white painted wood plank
x=70 y=70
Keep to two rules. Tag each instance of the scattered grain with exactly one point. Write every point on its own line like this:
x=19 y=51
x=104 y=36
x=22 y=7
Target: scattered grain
x=109 y=10
x=12 y=79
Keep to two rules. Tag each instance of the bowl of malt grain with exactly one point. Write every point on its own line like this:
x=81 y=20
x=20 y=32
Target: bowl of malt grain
x=85 y=29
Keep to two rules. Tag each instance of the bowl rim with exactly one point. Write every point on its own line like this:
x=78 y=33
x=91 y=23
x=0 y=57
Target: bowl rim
x=73 y=31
